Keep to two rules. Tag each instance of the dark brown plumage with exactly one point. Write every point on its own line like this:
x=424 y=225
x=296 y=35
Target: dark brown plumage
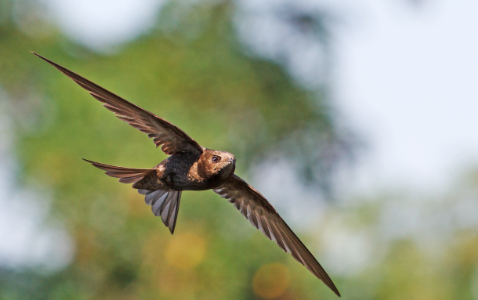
x=192 y=167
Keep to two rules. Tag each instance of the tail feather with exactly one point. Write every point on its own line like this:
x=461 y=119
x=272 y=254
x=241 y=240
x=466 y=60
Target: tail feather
x=164 y=204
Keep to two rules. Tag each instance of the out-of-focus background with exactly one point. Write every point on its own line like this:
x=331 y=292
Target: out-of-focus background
x=356 y=119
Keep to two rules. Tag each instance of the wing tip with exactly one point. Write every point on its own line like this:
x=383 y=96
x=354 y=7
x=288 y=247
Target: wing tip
x=42 y=57
x=325 y=278
x=88 y=161
x=329 y=283
x=334 y=289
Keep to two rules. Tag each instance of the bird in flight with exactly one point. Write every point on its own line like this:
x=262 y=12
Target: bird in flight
x=192 y=167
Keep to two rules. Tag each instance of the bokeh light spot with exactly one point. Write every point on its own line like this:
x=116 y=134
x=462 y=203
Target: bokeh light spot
x=186 y=250
x=271 y=281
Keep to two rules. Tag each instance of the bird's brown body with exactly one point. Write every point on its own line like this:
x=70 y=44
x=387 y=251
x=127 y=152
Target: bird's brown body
x=184 y=171
x=193 y=167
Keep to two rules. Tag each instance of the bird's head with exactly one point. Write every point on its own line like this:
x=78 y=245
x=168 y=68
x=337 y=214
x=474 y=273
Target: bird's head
x=219 y=162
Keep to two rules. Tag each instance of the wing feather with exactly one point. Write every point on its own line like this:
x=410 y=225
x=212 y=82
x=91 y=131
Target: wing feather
x=171 y=139
x=264 y=217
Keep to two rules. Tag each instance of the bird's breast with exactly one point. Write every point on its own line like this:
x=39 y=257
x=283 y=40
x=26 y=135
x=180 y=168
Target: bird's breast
x=182 y=173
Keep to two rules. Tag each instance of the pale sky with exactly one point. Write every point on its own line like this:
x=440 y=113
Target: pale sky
x=406 y=78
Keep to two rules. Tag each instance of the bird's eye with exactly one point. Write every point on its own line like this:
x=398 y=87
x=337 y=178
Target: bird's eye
x=216 y=159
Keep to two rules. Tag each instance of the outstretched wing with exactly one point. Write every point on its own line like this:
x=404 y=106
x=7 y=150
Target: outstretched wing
x=171 y=139
x=265 y=218
x=126 y=175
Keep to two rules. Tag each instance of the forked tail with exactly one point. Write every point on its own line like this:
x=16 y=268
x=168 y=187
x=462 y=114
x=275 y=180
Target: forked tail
x=164 y=203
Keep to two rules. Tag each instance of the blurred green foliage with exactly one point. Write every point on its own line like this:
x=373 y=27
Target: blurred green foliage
x=191 y=70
